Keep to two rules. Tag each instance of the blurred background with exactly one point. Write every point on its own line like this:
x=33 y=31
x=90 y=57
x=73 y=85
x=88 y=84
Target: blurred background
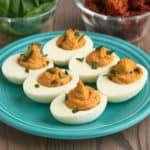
x=68 y=15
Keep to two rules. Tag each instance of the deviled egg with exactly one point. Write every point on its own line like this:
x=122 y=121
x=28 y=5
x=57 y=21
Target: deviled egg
x=80 y=105
x=62 y=48
x=96 y=62
x=17 y=67
x=124 y=80
x=43 y=86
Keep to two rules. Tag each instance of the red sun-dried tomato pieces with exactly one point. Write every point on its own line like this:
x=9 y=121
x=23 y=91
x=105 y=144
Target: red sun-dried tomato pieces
x=119 y=7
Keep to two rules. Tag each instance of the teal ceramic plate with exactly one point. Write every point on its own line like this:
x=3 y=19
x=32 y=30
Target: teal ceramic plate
x=18 y=111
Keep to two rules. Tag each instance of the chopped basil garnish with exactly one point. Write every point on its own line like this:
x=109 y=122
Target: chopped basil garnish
x=47 y=62
x=60 y=45
x=113 y=72
x=51 y=70
x=77 y=33
x=64 y=39
x=36 y=85
x=27 y=70
x=137 y=70
x=80 y=59
x=26 y=57
x=94 y=65
x=66 y=72
x=110 y=52
x=99 y=47
x=105 y=75
x=62 y=75
x=66 y=96
x=82 y=36
x=75 y=110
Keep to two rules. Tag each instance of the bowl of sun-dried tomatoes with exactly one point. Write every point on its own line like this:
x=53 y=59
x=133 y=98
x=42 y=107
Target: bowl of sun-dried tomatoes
x=127 y=19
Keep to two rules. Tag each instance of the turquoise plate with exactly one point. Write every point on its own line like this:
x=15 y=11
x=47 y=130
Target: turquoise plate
x=19 y=112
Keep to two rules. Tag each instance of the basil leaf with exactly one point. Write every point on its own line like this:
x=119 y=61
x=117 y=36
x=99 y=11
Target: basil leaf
x=27 y=70
x=37 y=2
x=62 y=75
x=66 y=96
x=27 y=57
x=81 y=37
x=14 y=10
x=41 y=9
x=77 y=33
x=110 y=52
x=4 y=7
x=94 y=65
x=21 y=8
x=36 y=85
x=99 y=47
x=80 y=59
x=113 y=72
x=66 y=72
x=45 y=1
x=51 y=70
x=27 y=6
x=75 y=110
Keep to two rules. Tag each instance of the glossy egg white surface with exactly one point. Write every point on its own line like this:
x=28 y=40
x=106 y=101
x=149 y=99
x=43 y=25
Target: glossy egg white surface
x=84 y=70
x=65 y=115
x=60 y=56
x=44 y=94
x=121 y=92
x=14 y=72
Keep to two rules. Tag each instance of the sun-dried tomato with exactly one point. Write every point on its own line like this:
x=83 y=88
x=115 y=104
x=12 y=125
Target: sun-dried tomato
x=121 y=8
x=136 y=4
x=116 y=7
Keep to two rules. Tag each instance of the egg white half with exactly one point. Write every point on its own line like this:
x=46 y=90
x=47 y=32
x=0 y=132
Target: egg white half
x=63 y=114
x=14 y=72
x=60 y=56
x=44 y=94
x=84 y=70
x=121 y=92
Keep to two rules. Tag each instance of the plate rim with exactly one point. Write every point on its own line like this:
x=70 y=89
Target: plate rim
x=4 y=117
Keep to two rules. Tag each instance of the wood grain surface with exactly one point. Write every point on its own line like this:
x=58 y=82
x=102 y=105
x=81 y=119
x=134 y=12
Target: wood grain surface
x=134 y=138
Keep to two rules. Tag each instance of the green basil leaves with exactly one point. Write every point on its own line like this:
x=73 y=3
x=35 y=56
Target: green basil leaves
x=24 y=8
